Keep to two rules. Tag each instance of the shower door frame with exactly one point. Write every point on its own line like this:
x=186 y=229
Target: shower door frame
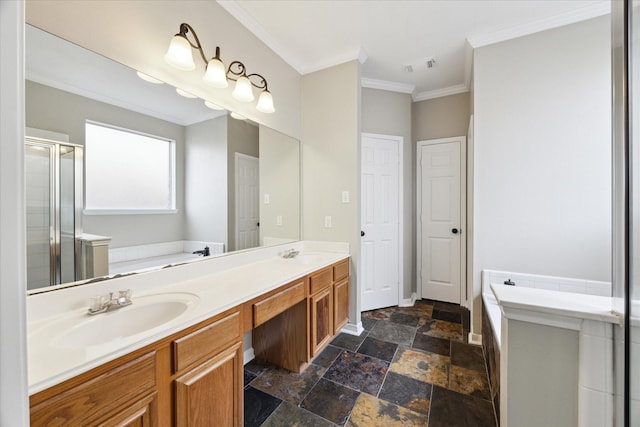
x=54 y=141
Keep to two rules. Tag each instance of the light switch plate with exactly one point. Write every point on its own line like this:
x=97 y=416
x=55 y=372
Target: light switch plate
x=345 y=197
x=279 y=220
x=267 y=199
x=327 y=221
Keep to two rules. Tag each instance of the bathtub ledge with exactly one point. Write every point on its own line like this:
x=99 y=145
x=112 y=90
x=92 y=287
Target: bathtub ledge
x=553 y=308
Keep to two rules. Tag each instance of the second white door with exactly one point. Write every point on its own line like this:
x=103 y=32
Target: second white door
x=440 y=243
x=380 y=246
x=247 y=202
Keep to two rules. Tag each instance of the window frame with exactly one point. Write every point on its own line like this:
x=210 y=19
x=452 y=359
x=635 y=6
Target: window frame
x=135 y=211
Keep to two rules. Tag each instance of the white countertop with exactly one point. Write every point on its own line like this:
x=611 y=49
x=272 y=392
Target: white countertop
x=566 y=304
x=211 y=287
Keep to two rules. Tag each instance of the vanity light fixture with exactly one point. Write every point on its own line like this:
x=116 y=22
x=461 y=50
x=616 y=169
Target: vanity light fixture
x=180 y=56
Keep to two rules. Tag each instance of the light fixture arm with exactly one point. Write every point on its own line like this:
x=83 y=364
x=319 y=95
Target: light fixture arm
x=184 y=29
x=241 y=70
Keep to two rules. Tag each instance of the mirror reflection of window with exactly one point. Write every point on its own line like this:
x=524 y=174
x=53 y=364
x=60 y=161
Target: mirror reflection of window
x=128 y=171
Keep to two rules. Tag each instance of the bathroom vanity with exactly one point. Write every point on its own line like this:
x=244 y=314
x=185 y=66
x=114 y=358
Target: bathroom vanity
x=188 y=370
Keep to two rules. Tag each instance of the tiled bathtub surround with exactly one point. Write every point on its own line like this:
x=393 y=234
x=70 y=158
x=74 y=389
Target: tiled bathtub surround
x=595 y=374
x=593 y=321
x=551 y=283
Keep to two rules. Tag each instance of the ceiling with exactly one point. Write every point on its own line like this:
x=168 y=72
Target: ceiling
x=389 y=36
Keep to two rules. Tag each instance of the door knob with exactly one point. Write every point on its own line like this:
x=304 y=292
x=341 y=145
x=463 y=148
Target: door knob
x=454 y=230
x=361 y=233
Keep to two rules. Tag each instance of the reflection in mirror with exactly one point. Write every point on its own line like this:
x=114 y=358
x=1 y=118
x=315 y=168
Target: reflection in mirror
x=236 y=182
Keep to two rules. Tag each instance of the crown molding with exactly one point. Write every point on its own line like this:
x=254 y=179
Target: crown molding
x=232 y=7
x=387 y=85
x=359 y=55
x=582 y=14
x=439 y=93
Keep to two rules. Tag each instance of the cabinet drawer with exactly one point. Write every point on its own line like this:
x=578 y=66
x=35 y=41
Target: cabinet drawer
x=320 y=280
x=276 y=304
x=341 y=270
x=100 y=396
x=195 y=346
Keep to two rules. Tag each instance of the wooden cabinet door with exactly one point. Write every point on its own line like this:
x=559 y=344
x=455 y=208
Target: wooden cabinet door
x=212 y=392
x=321 y=319
x=143 y=413
x=340 y=304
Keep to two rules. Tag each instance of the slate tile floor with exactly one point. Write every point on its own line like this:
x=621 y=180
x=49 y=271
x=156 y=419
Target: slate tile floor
x=411 y=367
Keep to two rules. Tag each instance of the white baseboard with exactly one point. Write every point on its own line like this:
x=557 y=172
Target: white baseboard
x=249 y=355
x=409 y=302
x=475 y=338
x=352 y=329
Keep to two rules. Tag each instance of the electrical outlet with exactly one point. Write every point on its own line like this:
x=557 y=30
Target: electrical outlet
x=327 y=221
x=345 y=197
x=279 y=220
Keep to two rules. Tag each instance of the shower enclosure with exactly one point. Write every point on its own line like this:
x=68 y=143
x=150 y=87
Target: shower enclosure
x=626 y=208
x=53 y=197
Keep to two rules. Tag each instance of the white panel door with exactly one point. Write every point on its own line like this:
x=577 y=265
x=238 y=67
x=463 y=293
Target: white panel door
x=247 y=203
x=439 y=209
x=380 y=199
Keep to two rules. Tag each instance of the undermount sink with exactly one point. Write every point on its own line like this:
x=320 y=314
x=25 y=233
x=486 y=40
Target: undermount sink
x=146 y=312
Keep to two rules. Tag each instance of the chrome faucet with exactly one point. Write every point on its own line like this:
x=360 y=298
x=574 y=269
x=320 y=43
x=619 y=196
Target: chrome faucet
x=291 y=253
x=204 y=252
x=104 y=303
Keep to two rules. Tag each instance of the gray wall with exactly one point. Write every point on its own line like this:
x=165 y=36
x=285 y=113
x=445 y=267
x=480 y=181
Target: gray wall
x=242 y=137
x=331 y=162
x=441 y=117
x=542 y=161
x=205 y=170
x=389 y=113
x=280 y=178
x=58 y=111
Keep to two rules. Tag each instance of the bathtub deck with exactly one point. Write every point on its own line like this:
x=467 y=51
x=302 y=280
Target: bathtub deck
x=151 y=262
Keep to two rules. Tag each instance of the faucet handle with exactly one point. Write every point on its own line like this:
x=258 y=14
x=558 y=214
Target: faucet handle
x=126 y=294
x=97 y=303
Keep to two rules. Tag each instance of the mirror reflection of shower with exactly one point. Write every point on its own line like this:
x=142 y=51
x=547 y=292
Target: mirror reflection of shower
x=53 y=187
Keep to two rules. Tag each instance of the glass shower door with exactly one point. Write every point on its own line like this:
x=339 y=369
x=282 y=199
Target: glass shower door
x=633 y=294
x=53 y=203
x=67 y=216
x=39 y=160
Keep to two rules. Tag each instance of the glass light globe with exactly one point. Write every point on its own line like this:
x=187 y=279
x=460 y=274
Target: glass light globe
x=243 y=92
x=148 y=78
x=216 y=74
x=184 y=93
x=237 y=116
x=179 y=54
x=265 y=102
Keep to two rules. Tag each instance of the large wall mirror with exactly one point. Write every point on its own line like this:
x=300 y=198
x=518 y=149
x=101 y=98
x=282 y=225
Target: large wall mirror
x=231 y=184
